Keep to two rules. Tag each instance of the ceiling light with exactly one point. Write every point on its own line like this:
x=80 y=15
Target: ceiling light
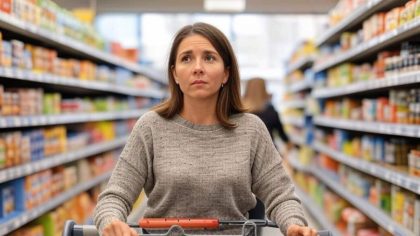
x=224 y=5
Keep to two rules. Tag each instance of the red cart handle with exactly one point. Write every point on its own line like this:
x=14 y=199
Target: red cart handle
x=186 y=223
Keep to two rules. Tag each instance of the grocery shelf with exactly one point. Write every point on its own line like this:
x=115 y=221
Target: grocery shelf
x=316 y=212
x=293 y=104
x=296 y=121
x=297 y=165
x=26 y=121
x=49 y=162
x=369 y=126
x=25 y=75
x=299 y=86
x=362 y=204
x=301 y=64
x=28 y=216
x=61 y=41
x=357 y=17
x=405 y=78
x=372 y=46
x=397 y=178
x=298 y=140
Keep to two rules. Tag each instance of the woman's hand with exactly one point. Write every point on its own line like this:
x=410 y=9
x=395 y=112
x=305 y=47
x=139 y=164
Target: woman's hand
x=297 y=230
x=118 y=228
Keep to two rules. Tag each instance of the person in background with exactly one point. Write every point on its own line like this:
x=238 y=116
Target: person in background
x=258 y=102
x=198 y=154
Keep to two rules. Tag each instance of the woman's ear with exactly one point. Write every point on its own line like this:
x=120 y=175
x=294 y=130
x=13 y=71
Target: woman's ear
x=226 y=76
x=174 y=73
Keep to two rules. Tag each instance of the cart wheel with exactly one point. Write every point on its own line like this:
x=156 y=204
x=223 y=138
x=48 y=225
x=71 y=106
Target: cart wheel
x=68 y=228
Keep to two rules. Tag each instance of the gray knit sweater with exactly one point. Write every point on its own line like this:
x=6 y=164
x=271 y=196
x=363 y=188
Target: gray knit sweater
x=198 y=171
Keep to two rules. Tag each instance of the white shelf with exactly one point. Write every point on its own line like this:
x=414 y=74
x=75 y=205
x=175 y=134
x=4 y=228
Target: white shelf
x=297 y=165
x=28 y=216
x=316 y=212
x=400 y=179
x=26 y=121
x=60 y=41
x=373 y=127
x=406 y=78
x=363 y=205
x=25 y=75
x=294 y=104
x=299 y=86
x=301 y=64
x=296 y=121
x=371 y=46
x=357 y=17
x=48 y=162
x=299 y=140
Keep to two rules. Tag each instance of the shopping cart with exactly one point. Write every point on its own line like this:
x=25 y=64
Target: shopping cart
x=176 y=226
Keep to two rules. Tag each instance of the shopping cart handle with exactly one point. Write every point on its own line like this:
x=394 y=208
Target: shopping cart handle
x=186 y=223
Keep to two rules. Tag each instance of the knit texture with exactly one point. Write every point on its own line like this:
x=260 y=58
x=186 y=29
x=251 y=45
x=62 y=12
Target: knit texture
x=198 y=171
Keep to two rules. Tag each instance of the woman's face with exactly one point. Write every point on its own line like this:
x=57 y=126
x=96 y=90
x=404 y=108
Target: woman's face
x=199 y=69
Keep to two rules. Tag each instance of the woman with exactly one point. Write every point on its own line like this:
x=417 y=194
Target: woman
x=198 y=154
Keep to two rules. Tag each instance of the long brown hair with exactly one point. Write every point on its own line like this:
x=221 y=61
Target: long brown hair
x=229 y=100
x=256 y=96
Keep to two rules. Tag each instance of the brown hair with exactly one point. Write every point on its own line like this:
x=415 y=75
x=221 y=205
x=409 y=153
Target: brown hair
x=229 y=100
x=256 y=96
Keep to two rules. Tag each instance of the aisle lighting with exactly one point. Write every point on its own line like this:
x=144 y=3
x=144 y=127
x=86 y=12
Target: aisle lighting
x=224 y=5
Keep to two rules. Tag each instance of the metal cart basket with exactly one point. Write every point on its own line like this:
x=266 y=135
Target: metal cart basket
x=176 y=226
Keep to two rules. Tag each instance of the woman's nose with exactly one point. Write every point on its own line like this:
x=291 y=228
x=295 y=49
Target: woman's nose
x=198 y=67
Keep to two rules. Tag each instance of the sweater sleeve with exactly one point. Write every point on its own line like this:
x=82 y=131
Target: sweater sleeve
x=271 y=183
x=127 y=179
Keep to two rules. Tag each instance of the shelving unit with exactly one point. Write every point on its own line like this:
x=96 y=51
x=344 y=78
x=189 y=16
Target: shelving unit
x=297 y=140
x=395 y=177
x=33 y=167
x=301 y=64
x=397 y=80
x=373 y=127
x=26 y=121
x=363 y=205
x=23 y=75
x=355 y=18
x=296 y=121
x=60 y=41
x=67 y=47
x=297 y=104
x=316 y=212
x=406 y=78
x=373 y=46
x=26 y=217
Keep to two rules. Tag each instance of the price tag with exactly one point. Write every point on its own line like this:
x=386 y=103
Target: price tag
x=17 y=121
x=2 y=175
x=3 y=122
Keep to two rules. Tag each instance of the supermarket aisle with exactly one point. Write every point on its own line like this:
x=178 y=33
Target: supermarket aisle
x=69 y=98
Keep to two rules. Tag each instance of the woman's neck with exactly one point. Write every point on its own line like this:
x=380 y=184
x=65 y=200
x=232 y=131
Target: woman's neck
x=200 y=112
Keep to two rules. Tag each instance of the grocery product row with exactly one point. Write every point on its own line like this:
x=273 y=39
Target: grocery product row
x=36 y=101
x=31 y=145
x=46 y=21
x=399 y=23
x=80 y=208
x=25 y=199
